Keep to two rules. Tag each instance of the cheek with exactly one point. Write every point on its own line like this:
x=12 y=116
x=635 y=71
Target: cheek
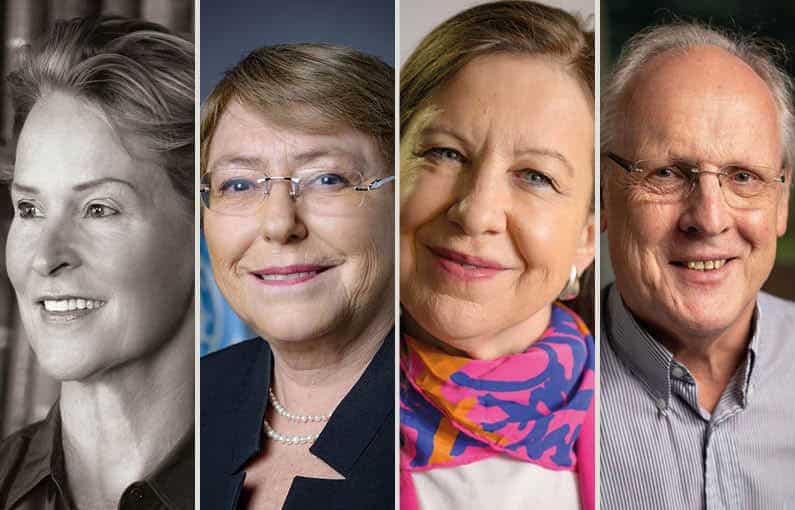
x=547 y=244
x=228 y=239
x=19 y=241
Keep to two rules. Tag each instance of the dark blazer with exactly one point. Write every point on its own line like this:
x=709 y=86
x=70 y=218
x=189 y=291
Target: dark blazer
x=358 y=441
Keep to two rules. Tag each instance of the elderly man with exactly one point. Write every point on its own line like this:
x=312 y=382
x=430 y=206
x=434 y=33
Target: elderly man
x=697 y=363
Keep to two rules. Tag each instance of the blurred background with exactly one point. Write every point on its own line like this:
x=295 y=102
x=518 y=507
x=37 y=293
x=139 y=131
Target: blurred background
x=366 y=25
x=620 y=19
x=26 y=394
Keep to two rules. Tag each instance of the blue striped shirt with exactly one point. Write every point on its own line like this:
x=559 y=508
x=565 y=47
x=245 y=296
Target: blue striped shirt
x=660 y=450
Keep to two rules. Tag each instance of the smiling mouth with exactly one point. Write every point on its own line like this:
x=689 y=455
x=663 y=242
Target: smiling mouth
x=69 y=309
x=703 y=265
x=289 y=275
x=465 y=267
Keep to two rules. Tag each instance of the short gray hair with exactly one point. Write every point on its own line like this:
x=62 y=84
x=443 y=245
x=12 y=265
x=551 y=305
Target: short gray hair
x=764 y=56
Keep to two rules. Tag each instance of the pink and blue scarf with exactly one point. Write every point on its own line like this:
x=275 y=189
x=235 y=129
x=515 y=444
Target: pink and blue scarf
x=536 y=406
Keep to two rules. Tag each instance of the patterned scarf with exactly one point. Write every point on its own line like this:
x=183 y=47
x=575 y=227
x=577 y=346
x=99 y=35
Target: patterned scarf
x=531 y=406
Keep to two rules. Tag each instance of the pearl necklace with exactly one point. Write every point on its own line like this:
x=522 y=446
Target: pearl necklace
x=289 y=440
x=300 y=418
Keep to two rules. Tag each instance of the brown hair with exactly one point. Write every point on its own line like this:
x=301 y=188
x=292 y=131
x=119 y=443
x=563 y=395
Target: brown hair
x=310 y=86
x=497 y=27
x=137 y=72
x=514 y=26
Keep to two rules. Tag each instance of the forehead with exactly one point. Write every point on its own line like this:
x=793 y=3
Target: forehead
x=516 y=101
x=244 y=133
x=703 y=103
x=66 y=141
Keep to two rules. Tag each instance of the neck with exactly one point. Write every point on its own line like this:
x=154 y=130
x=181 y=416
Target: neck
x=513 y=339
x=711 y=357
x=120 y=425
x=312 y=376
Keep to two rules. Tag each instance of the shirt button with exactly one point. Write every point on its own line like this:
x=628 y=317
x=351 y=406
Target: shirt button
x=661 y=404
x=677 y=372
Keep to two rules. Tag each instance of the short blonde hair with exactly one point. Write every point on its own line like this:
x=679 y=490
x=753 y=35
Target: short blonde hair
x=499 y=27
x=137 y=72
x=313 y=87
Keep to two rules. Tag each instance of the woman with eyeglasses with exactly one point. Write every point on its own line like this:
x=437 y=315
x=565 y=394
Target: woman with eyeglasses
x=496 y=230
x=100 y=254
x=297 y=144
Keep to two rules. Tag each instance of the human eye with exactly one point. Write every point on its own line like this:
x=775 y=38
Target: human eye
x=444 y=154
x=236 y=185
x=96 y=210
x=28 y=210
x=330 y=181
x=668 y=172
x=743 y=176
x=534 y=179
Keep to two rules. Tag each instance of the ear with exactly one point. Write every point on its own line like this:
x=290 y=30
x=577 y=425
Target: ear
x=585 y=246
x=782 y=211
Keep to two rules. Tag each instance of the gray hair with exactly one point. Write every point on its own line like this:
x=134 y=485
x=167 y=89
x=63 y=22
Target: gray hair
x=761 y=55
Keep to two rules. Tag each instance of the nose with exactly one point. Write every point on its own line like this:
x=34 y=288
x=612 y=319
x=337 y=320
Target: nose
x=707 y=212
x=55 y=250
x=480 y=207
x=279 y=219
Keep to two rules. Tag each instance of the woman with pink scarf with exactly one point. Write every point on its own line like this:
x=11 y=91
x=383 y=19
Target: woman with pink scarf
x=496 y=231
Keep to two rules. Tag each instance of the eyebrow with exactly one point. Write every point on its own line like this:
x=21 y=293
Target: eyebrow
x=78 y=187
x=549 y=153
x=300 y=158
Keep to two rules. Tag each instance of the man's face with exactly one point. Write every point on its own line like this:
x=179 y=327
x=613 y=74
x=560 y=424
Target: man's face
x=710 y=108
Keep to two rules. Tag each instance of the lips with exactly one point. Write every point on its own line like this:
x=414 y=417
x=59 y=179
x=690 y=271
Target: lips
x=68 y=308
x=465 y=267
x=703 y=263
x=289 y=275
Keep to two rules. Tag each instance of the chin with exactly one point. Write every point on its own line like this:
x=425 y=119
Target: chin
x=69 y=366
x=292 y=327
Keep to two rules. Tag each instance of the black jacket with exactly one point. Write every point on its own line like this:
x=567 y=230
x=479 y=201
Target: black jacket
x=358 y=441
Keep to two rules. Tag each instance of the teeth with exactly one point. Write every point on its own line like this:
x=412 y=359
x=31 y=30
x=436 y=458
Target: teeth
x=469 y=266
x=291 y=276
x=69 y=305
x=705 y=265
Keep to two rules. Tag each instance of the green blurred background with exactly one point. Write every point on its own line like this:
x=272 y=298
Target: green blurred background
x=773 y=19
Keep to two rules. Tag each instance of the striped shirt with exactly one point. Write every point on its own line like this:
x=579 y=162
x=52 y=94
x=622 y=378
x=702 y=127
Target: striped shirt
x=660 y=450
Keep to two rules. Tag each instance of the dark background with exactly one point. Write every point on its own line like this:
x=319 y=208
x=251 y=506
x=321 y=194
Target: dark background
x=775 y=19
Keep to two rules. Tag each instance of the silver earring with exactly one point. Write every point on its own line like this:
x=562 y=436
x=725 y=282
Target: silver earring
x=572 y=288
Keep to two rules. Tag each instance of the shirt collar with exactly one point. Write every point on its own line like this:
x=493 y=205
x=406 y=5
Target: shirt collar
x=172 y=481
x=649 y=360
x=43 y=458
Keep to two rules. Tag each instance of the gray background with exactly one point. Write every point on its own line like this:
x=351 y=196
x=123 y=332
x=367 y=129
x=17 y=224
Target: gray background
x=230 y=29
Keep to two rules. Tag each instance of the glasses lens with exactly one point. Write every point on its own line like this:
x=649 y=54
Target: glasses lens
x=233 y=191
x=663 y=178
x=331 y=191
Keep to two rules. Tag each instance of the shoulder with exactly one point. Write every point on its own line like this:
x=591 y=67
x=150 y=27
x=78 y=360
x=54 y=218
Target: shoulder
x=13 y=451
x=775 y=309
x=229 y=371
x=234 y=357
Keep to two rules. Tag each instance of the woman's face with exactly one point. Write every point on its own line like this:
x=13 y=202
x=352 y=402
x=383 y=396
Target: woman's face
x=292 y=270
x=100 y=249
x=496 y=182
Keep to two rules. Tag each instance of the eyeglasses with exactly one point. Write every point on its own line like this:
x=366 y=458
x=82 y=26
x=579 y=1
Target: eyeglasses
x=744 y=186
x=241 y=191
